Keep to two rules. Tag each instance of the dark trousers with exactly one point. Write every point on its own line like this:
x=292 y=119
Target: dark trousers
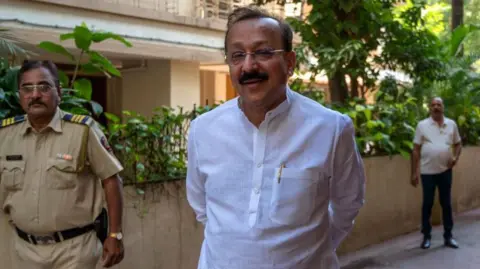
x=444 y=183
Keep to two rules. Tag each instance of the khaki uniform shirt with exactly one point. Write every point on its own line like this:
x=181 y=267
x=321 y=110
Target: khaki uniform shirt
x=437 y=144
x=51 y=180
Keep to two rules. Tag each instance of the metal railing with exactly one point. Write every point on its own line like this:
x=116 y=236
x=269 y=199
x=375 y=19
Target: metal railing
x=206 y=9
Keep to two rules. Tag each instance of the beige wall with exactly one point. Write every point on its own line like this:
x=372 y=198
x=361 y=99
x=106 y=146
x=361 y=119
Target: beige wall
x=161 y=230
x=146 y=88
x=160 y=83
x=184 y=84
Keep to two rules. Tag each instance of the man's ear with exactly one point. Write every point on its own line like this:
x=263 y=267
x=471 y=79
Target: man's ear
x=291 y=58
x=59 y=93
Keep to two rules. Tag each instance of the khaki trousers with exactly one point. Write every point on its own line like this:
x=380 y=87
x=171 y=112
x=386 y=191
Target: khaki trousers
x=81 y=252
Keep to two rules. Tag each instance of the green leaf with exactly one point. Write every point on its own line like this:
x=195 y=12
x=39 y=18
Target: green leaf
x=84 y=88
x=56 y=48
x=64 y=81
x=461 y=120
x=407 y=143
x=4 y=113
x=79 y=111
x=101 y=36
x=404 y=153
x=105 y=64
x=140 y=167
x=112 y=117
x=359 y=108
x=96 y=107
x=10 y=82
x=83 y=37
x=67 y=36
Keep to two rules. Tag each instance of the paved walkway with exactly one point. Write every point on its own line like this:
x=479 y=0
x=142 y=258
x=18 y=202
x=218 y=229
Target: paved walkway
x=404 y=252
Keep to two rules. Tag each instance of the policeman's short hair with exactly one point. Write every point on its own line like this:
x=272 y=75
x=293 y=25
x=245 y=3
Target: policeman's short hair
x=28 y=65
x=255 y=12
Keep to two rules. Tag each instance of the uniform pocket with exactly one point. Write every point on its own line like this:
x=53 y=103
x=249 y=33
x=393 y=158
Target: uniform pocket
x=293 y=196
x=13 y=173
x=61 y=174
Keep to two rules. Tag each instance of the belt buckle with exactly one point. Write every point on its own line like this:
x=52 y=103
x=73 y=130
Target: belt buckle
x=44 y=239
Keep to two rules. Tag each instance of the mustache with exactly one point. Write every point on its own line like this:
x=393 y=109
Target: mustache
x=252 y=75
x=36 y=102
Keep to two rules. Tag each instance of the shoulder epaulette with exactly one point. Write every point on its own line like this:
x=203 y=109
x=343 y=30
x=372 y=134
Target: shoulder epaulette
x=80 y=119
x=12 y=121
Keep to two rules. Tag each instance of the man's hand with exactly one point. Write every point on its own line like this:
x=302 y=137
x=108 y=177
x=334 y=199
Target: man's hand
x=112 y=252
x=415 y=179
x=452 y=162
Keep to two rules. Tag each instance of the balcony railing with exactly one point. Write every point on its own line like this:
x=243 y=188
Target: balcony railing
x=206 y=9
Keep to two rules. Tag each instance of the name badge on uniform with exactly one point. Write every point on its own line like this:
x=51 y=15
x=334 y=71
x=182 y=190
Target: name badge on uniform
x=66 y=157
x=14 y=157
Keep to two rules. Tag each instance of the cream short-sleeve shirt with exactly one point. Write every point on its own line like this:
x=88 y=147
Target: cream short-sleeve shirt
x=437 y=144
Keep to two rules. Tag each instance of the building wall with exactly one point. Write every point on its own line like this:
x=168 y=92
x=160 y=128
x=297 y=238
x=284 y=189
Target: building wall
x=148 y=88
x=184 y=84
x=161 y=230
x=160 y=83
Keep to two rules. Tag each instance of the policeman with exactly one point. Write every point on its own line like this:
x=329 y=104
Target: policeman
x=54 y=168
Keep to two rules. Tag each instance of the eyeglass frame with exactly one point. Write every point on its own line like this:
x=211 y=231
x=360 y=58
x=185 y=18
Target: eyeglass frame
x=32 y=87
x=254 y=54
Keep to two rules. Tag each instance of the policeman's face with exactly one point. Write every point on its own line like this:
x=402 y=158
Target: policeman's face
x=259 y=79
x=39 y=97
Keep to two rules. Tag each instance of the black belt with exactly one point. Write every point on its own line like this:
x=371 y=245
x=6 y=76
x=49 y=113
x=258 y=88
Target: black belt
x=55 y=237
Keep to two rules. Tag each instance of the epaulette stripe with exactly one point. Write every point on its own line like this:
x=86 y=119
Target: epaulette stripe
x=84 y=120
x=12 y=121
x=19 y=118
x=67 y=117
x=80 y=118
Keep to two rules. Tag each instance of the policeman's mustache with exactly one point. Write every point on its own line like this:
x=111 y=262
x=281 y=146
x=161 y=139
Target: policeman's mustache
x=36 y=102
x=252 y=75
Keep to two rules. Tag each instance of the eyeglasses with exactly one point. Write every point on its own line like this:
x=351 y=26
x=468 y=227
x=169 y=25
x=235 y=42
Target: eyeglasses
x=42 y=88
x=259 y=55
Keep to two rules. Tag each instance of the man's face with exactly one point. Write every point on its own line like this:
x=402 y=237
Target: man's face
x=436 y=107
x=259 y=79
x=39 y=97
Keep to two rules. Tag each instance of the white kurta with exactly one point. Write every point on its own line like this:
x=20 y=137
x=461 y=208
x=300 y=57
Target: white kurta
x=258 y=218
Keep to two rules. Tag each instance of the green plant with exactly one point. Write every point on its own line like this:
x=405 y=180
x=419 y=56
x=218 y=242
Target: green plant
x=78 y=92
x=9 y=102
x=152 y=149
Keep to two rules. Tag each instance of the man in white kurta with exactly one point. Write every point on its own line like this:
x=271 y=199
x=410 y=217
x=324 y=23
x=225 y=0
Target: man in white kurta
x=278 y=193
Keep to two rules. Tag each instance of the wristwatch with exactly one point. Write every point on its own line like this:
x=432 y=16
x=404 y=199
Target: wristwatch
x=118 y=236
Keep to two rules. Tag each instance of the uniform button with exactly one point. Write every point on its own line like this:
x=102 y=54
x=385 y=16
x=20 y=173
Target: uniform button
x=259 y=165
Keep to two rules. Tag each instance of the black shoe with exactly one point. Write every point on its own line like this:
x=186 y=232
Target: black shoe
x=451 y=243
x=426 y=243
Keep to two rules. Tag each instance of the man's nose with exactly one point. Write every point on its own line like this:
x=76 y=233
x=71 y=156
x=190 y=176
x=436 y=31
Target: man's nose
x=250 y=63
x=36 y=93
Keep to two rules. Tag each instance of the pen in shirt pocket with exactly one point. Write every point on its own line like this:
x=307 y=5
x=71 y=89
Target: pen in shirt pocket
x=280 y=172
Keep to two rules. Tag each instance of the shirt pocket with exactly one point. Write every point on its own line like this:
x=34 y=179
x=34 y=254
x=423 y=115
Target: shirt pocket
x=293 y=196
x=13 y=175
x=61 y=174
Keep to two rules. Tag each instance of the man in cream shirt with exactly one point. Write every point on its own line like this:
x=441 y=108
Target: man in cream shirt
x=275 y=177
x=437 y=147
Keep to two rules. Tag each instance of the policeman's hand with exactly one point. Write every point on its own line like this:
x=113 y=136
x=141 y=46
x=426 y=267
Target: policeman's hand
x=414 y=180
x=112 y=252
